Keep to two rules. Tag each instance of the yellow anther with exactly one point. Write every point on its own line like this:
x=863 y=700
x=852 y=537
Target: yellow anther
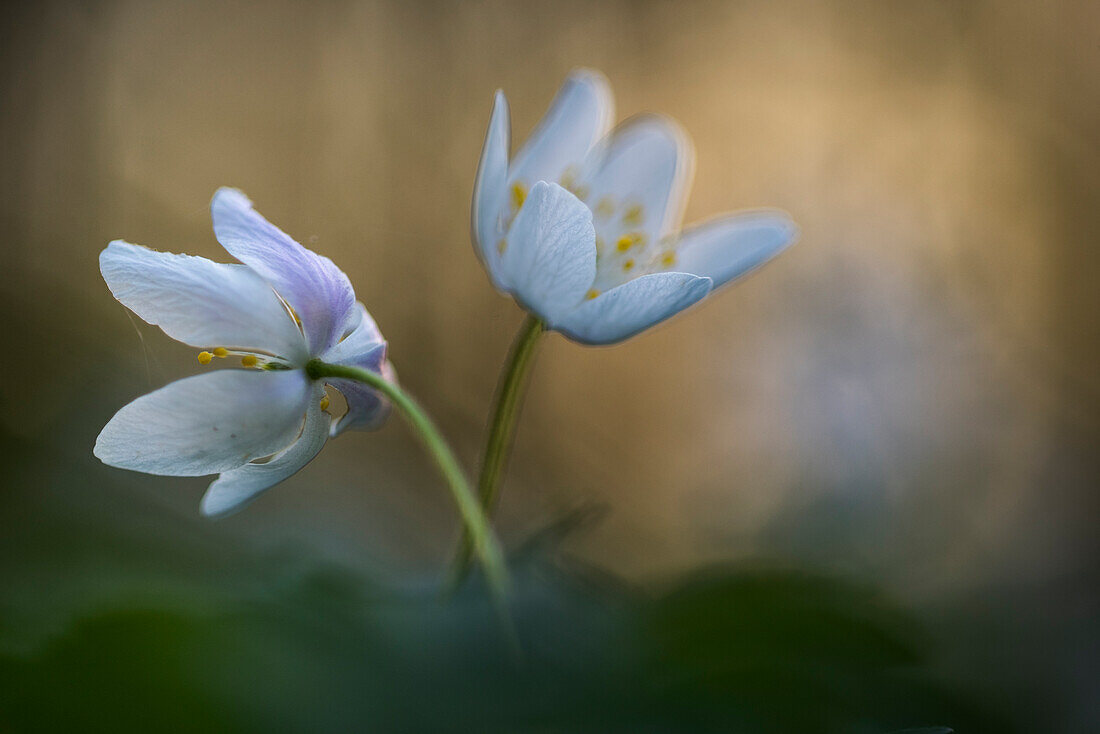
x=628 y=264
x=581 y=192
x=568 y=177
x=629 y=240
x=605 y=207
x=591 y=294
x=502 y=245
x=668 y=259
x=633 y=216
x=324 y=403
x=249 y=360
x=599 y=245
x=205 y=357
x=221 y=352
x=519 y=195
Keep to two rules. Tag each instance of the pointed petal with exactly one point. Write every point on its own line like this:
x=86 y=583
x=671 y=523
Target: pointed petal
x=367 y=410
x=200 y=302
x=206 y=424
x=491 y=189
x=581 y=114
x=550 y=259
x=731 y=245
x=319 y=291
x=624 y=311
x=638 y=181
x=236 y=488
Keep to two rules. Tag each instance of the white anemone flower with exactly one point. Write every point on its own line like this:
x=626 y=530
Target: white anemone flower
x=260 y=423
x=583 y=225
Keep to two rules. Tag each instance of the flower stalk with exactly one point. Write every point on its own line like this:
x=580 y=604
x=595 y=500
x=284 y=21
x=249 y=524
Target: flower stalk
x=498 y=445
x=476 y=524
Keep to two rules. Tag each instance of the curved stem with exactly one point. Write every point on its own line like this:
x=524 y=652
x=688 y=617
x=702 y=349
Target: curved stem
x=510 y=390
x=476 y=523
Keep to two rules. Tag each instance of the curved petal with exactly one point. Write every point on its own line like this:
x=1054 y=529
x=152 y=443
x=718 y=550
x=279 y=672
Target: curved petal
x=639 y=179
x=624 y=311
x=367 y=410
x=236 y=488
x=491 y=189
x=731 y=245
x=201 y=302
x=206 y=424
x=362 y=347
x=581 y=114
x=318 y=291
x=550 y=259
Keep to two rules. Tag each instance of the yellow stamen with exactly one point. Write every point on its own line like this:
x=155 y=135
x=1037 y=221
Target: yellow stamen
x=205 y=357
x=519 y=195
x=629 y=240
x=591 y=294
x=633 y=216
x=581 y=192
x=324 y=403
x=249 y=360
x=221 y=352
x=599 y=245
x=628 y=264
x=568 y=177
x=502 y=245
x=668 y=259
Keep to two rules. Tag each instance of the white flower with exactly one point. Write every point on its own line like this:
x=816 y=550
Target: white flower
x=283 y=307
x=583 y=225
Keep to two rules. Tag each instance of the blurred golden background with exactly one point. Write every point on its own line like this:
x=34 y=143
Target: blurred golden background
x=908 y=396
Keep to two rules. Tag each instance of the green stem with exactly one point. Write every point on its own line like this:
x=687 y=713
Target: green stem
x=513 y=381
x=475 y=521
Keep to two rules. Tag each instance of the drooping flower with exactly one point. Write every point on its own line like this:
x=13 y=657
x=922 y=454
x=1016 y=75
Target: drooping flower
x=283 y=306
x=583 y=225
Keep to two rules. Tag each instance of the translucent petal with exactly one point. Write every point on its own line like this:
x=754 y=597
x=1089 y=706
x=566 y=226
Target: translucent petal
x=367 y=410
x=207 y=424
x=639 y=179
x=731 y=245
x=365 y=348
x=236 y=488
x=550 y=259
x=200 y=302
x=491 y=189
x=319 y=291
x=624 y=311
x=581 y=114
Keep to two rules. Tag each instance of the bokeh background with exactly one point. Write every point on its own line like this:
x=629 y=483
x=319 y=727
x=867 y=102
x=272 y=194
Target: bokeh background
x=897 y=417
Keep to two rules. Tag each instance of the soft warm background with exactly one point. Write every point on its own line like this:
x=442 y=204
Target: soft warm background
x=908 y=397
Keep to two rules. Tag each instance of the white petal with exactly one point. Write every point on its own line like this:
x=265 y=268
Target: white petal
x=581 y=114
x=207 y=424
x=318 y=290
x=638 y=180
x=491 y=189
x=359 y=347
x=624 y=311
x=237 y=487
x=200 y=302
x=729 y=246
x=550 y=260
x=367 y=409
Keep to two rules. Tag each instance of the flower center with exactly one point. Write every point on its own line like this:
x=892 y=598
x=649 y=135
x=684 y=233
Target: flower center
x=626 y=247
